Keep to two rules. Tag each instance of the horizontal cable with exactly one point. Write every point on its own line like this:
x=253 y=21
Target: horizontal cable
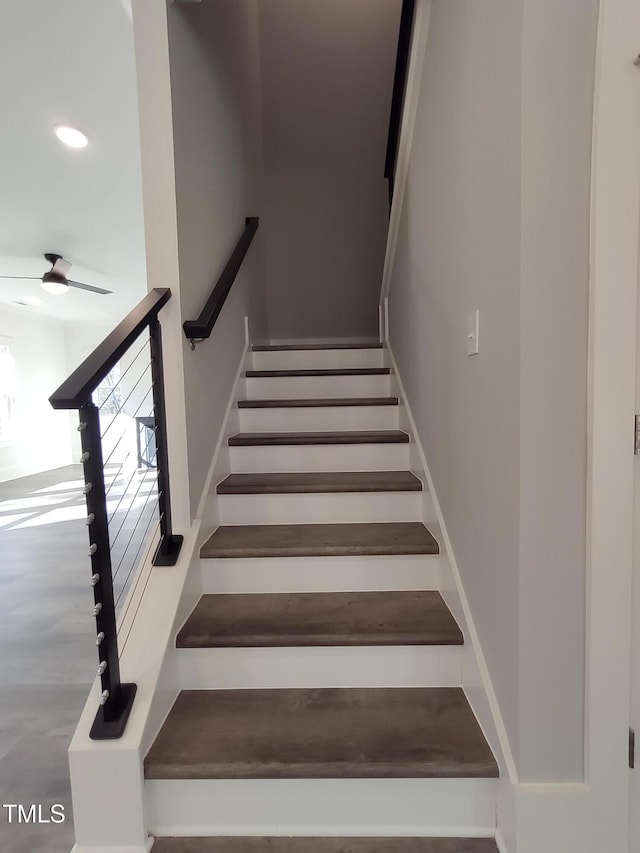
x=134 y=562
x=120 y=378
x=119 y=566
x=122 y=644
x=124 y=402
x=111 y=485
x=143 y=481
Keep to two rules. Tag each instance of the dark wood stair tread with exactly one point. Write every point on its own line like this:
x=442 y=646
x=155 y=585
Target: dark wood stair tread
x=319 y=482
x=320 y=402
x=324 y=844
x=321 y=733
x=329 y=371
x=306 y=347
x=320 y=540
x=258 y=439
x=320 y=619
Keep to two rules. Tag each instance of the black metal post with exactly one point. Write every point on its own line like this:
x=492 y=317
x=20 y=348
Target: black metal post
x=117 y=698
x=170 y=543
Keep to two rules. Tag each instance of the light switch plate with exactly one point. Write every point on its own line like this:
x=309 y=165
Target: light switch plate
x=473 y=330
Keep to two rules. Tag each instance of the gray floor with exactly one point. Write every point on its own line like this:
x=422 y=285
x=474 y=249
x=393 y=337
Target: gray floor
x=47 y=651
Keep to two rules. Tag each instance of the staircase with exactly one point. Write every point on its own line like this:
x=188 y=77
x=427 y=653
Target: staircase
x=321 y=667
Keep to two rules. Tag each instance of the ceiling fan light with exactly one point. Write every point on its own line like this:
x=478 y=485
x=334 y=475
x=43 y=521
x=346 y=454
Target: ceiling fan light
x=71 y=136
x=54 y=284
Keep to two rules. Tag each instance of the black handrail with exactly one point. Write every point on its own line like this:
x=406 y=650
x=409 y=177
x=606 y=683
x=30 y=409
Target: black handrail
x=200 y=329
x=77 y=389
x=399 y=88
x=76 y=393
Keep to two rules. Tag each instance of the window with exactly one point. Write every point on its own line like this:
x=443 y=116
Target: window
x=108 y=395
x=7 y=389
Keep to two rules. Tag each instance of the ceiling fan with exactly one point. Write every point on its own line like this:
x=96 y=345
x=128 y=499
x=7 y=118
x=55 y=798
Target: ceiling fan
x=55 y=280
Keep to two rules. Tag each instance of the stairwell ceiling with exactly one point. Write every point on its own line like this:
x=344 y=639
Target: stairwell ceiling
x=70 y=62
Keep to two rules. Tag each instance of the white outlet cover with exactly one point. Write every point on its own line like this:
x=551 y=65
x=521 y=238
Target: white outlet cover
x=473 y=331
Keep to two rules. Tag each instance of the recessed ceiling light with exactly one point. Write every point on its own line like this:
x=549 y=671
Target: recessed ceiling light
x=71 y=136
x=32 y=300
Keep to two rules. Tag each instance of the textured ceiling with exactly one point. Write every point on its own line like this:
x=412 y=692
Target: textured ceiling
x=70 y=61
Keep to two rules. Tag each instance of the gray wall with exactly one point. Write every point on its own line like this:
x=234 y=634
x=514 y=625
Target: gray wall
x=327 y=75
x=215 y=90
x=496 y=218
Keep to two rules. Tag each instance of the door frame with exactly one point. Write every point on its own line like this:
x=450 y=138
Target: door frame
x=615 y=225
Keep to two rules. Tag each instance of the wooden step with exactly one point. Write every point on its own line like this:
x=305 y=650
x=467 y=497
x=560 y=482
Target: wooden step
x=325 y=733
x=319 y=482
x=324 y=844
x=320 y=540
x=320 y=619
x=333 y=371
x=307 y=347
x=317 y=402
x=259 y=439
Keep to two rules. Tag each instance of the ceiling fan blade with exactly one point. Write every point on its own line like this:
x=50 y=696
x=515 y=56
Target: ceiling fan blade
x=30 y=277
x=61 y=267
x=89 y=287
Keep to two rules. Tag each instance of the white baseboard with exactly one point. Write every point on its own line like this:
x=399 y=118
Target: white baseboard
x=141 y=848
x=476 y=680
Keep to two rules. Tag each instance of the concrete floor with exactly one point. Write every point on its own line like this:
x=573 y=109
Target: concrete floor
x=47 y=651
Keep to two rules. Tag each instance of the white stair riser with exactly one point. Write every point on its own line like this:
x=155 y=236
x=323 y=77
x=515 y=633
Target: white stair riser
x=322 y=574
x=317 y=359
x=318 y=418
x=362 y=666
x=374 y=807
x=319 y=457
x=305 y=387
x=313 y=508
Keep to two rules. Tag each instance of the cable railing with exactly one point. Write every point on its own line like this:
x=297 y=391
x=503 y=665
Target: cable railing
x=119 y=394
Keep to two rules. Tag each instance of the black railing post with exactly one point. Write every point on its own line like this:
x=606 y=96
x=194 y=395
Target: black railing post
x=170 y=543
x=117 y=698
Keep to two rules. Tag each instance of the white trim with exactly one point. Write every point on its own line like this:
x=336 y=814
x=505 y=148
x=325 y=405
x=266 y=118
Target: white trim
x=500 y=843
x=471 y=634
x=228 y=428
x=140 y=848
x=412 y=93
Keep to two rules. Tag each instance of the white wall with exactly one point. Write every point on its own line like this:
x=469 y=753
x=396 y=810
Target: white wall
x=41 y=439
x=213 y=51
x=327 y=75
x=557 y=113
x=495 y=218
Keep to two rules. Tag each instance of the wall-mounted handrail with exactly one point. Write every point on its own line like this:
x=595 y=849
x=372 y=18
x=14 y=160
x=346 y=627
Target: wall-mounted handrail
x=200 y=329
x=76 y=392
x=399 y=88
